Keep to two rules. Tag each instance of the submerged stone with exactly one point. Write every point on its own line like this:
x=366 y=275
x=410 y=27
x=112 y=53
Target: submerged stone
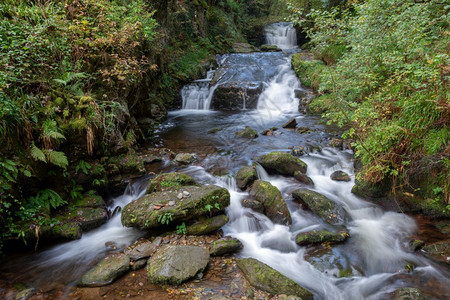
x=248 y=133
x=106 y=271
x=173 y=264
x=267 y=279
x=274 y=205
x=330 y=211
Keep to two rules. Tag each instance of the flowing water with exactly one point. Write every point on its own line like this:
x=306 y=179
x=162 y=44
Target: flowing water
x=373 y=260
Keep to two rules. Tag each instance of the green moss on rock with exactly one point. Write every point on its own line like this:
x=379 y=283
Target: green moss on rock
x=246 y=176
x=225 y=246
x=248 y=133
x=267 y=279
x=320 y=236
x=208 y=225
x=274 y=205
x=106 y=271
x=282 y=163
x=170 y=181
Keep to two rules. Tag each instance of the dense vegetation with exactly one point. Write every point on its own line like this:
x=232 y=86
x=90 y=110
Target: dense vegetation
x=81 y=81
x=382 y=70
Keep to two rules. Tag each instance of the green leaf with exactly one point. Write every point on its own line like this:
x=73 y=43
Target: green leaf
x=58 y=158
x=37 y=153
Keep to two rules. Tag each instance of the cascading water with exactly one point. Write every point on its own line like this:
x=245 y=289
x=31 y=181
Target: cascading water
x=68 y=262
x=198 y=94
x=282 y=35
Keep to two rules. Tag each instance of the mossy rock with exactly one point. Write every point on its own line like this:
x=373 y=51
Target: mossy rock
x=246 y=176
x=274 y=205
x=106 y=271
x=282 y=163
x=142 y=249
x=439 y=251
x=330 y=211
x=366 y=189
x=25 y=294
x=154 y=210
x=185 y=158
x=270 y=48
x=214 y=130
x=267 y=279
x=224 y=246
x=253 y=204
x=90 y=201
x=91 y=217
x=303 y=178
x=408 y=294
x=170 y=181
x=208 y=225
x=340 y=176
x=173 y=264
x=320 y=236
x=248 y=133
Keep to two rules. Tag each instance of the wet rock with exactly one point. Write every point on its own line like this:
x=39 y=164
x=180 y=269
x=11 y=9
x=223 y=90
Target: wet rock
x=439 y=251
x=224 y=246
x=139 y=249
x=408 y=294
x=91 y=201
x=253 y=204
x=365 y=189
x=106 y=271
x=270 y=48
x=246 y=176
x=300 y=93
x=340 y=176
x=231 y=95
x=139 y=264
x=416 y=245
x=185 y=158
x=267 y=132
x=282 y=163
x=267 y=279
x=214 y=130
x=303 y=130
x=443 y=226
x=274 y=205
x=336 y=143
x=321 y=205
x=25 y=294
x=299 y=151
x=292 y=123
x=247 y=133
x=239 y=47
x=321 y=236
x=174 y=264
x=170 y=181
x=142 y=213
x=208 y=225
x=90 y=218
x=303 y=178
x=150 y=158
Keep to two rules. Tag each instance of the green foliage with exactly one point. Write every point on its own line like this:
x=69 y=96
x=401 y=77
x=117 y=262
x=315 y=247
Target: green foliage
x=387 y=75
x=46 y=199
x=181 y=229
x=83 y=166
x=165 y=218
x=76 y=191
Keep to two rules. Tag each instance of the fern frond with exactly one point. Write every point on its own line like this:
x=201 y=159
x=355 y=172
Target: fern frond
x=58 y=158
x=37 y=153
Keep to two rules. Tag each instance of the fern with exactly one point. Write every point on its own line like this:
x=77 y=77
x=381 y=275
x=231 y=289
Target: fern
x=57 y=158
x=37 y=153
x=45 y=199
x=51 y=130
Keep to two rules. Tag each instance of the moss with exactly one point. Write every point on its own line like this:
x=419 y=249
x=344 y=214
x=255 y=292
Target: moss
x=320 y=104
x=248 y=133
x=78 y=124
x=170 y=181
x=267 y=279
x=208 y=225
x=246 y=176
x=321 y=236
x=270 y=197
x=308 y=70
x=282 y=163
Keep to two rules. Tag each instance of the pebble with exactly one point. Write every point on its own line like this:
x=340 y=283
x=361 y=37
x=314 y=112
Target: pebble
x=186 y=193
x=172 y=203
x=180 y=196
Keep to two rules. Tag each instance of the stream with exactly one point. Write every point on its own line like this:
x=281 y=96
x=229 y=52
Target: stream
x=374 y=258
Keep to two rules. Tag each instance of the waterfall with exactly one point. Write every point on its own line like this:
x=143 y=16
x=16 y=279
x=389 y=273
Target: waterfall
x=282 y=35
x=197 y=95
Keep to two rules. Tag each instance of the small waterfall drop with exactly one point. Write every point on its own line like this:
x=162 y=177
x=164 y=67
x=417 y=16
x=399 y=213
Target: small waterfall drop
x=198 y=94
x=282 y=35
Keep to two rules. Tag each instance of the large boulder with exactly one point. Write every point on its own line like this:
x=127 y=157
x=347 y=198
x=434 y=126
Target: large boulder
x=208 y=225
x=106 y=271
x=230 y=96
x=161 y=208
x=321 y=205
x=173 y=264
x=274 y=205
x=246 y=176
x=282 y=163
x=170 y=181
x=320 y=236
x=142 y=249
x=225 y=246
x=247 y=133
x=267 y=279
